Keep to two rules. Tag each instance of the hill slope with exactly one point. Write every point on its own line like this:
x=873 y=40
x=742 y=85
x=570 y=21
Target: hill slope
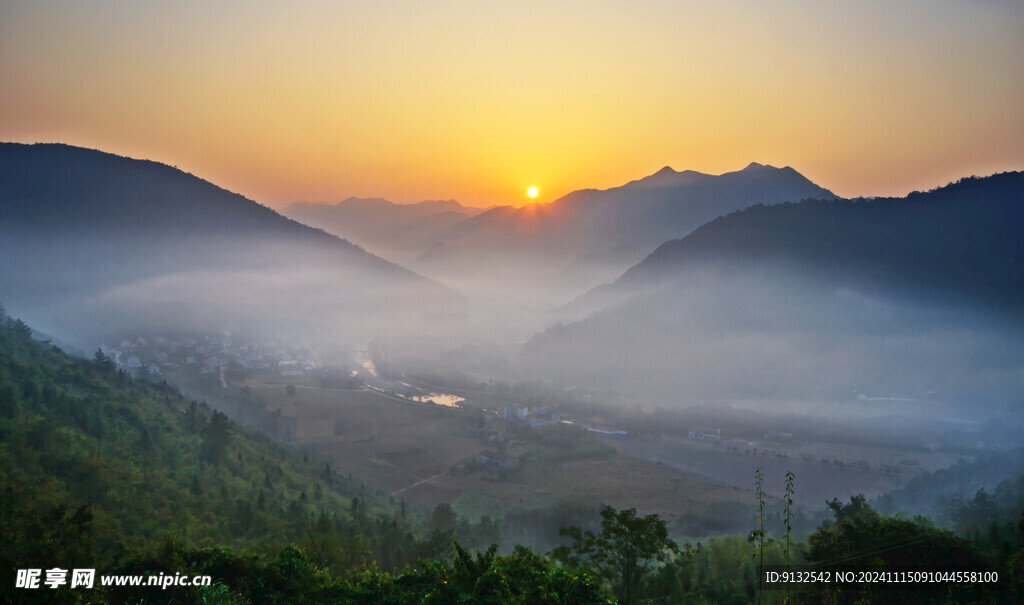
x=90 y=241
x=96 y=465
x=964 y=237
x=817 y=299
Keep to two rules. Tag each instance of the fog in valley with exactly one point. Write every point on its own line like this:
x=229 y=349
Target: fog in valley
x=671 y=360
x=661 y=303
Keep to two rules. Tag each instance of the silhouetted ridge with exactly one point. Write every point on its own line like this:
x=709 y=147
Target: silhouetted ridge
x=965 y=235
x=78 y=226
x=920 y=298
x=55 y=187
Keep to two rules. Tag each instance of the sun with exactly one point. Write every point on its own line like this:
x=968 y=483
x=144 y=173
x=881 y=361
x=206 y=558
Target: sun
x=532 y=192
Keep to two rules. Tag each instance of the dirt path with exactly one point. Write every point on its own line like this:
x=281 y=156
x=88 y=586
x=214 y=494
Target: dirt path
x=420 y=482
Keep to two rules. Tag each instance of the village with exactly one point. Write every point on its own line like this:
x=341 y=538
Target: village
x=326 y=407
x=157 y=356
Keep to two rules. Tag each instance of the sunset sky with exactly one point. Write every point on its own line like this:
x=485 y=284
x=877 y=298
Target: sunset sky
x=477 y=101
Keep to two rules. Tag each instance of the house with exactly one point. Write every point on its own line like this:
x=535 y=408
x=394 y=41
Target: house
x=515 y=412
x=497 y=461
x=543 y=418
x=701 y=434
x=255 y=364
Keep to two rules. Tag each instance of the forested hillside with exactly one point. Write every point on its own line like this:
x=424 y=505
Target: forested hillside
x=102 y=471
x=97 y=468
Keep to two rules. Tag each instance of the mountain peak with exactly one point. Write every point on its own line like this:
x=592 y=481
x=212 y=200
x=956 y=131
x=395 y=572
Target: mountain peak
x=755 y=166
x=665 y=176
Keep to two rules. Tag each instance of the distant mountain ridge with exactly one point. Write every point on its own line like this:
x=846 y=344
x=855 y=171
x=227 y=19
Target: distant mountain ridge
x=652 y=208
x=554 y=250
x=965 y=235
x=352 y=206
x=383 y=226
x=590 y=236
x=900 y=295
x=81 y=227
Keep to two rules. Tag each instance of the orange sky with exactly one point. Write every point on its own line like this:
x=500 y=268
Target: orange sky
x=317 y=101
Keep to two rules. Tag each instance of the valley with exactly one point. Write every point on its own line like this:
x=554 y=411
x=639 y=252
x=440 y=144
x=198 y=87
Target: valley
x=543 y=365
x=387 y=434
x=574 y=303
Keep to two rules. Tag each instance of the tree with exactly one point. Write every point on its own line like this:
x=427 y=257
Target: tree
x=192 y=418
x=8 y=401
x=864 y=539
x=622 y=553
x=759 y=536
x=218 y=436
x=103 y=363
x=19 y=329
x=444 y=518
x=849 y=512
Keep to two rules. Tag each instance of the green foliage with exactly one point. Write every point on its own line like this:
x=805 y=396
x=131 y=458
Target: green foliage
x=788 y=512
x=861 y=537
x=97 y=470
x=103 y=363
x=759 y=536
x=18 y=329
x=622 y=553
x=95 y=466
x=217 y=437
x=292 y=577
x=723 y=571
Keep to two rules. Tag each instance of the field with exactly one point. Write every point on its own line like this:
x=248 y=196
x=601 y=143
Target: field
x=823 y=471
x=390 y=445
x=427 y=455
x=616 y=481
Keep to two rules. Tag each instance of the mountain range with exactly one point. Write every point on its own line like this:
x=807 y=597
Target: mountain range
x=551 y=252
x=913 y=295
x=745 y=292
x=393 y=230
x=91 y=242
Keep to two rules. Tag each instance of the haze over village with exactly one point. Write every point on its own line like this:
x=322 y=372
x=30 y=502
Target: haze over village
x=386 y=285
